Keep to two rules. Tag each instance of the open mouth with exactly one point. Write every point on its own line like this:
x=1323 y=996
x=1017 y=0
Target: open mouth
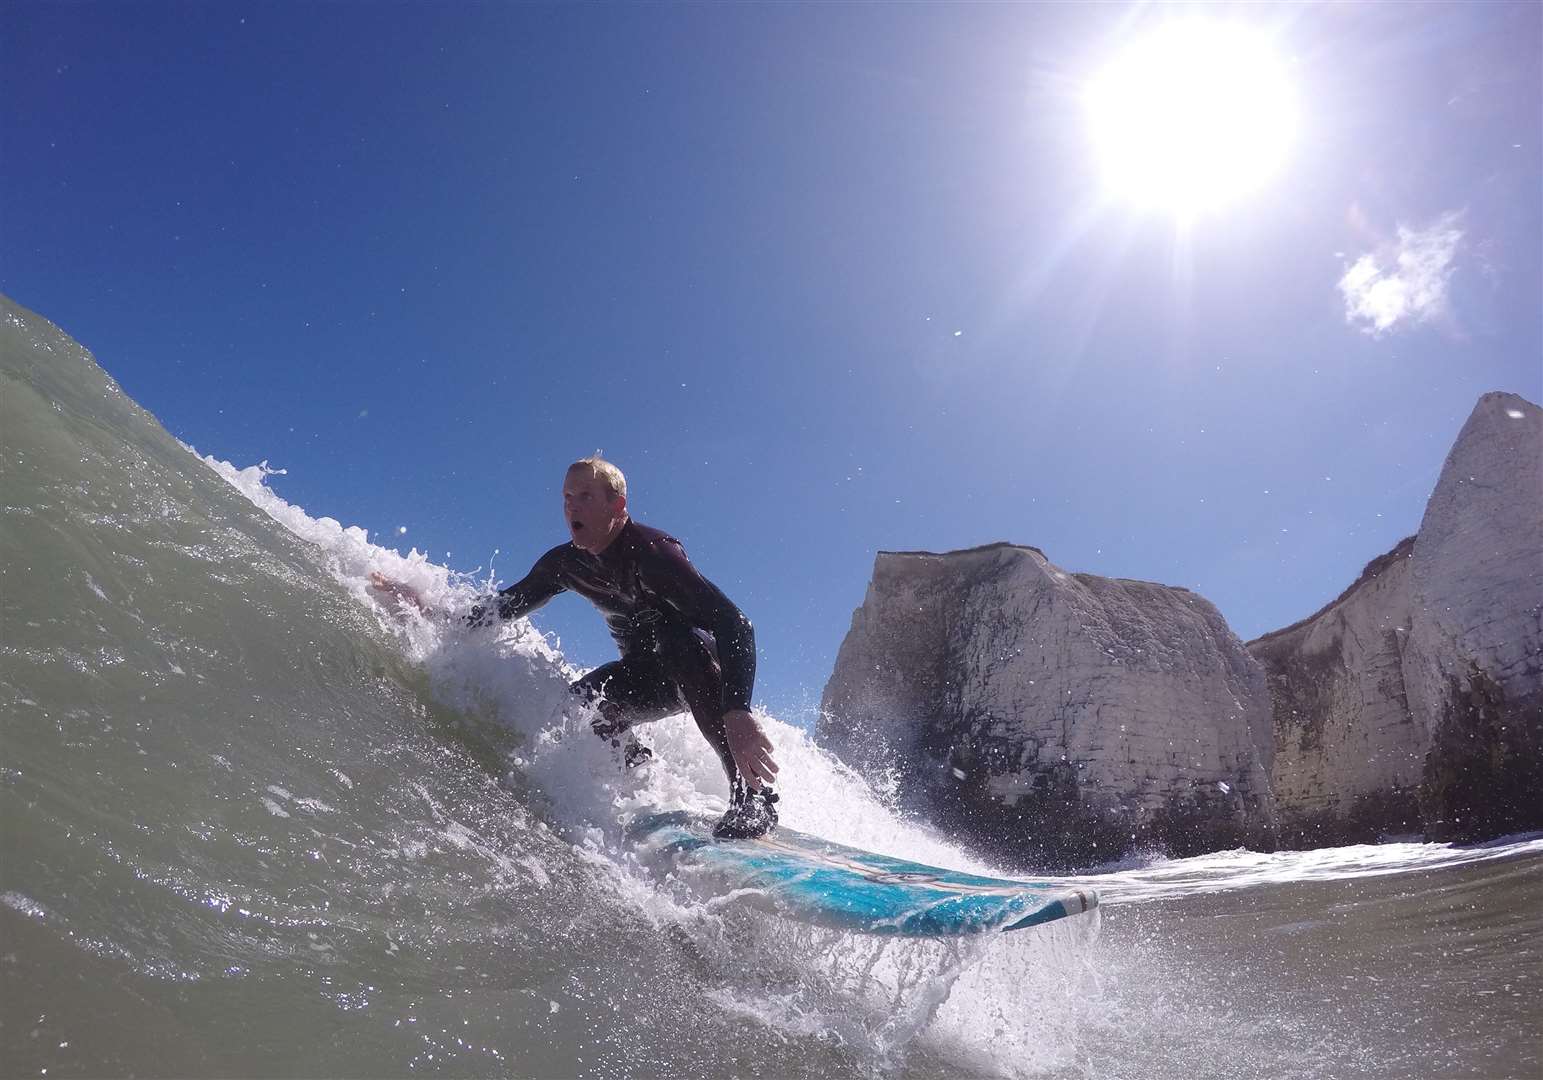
x=576 y=526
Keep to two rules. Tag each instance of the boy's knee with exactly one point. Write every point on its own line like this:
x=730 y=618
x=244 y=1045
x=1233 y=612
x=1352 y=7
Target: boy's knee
x=587 y=688
x=611 y=720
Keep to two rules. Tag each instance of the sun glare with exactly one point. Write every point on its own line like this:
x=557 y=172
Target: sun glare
x=1191 y=118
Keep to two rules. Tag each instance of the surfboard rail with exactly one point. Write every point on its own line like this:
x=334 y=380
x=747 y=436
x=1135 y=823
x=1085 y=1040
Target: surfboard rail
x=818 y=881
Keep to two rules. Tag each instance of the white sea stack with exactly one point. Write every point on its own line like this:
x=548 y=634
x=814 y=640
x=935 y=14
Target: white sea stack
x=1052 y=717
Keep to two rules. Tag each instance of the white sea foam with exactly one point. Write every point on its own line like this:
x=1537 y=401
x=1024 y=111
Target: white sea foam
x=1229 y=871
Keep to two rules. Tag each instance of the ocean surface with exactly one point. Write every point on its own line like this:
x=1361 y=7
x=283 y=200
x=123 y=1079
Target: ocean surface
x=254 y=824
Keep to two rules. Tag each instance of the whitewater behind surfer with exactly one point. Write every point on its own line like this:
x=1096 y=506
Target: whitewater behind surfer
x=684 y=645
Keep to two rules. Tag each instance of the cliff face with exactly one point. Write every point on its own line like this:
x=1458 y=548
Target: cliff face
x=1415 y=701
x=1348 y=753
x=1059 y=718
x=1052 y=717
x=1474 y=669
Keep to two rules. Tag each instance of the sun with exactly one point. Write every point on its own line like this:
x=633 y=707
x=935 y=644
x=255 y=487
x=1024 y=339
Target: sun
x=1191 y=118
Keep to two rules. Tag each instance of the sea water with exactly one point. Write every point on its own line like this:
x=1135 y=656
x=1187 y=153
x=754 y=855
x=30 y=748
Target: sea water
x=254 y=822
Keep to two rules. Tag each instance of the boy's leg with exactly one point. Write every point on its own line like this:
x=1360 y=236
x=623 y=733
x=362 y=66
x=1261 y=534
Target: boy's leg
x=691 y=665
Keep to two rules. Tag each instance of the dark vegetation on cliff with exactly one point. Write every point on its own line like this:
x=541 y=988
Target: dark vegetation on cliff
x=1484 y=773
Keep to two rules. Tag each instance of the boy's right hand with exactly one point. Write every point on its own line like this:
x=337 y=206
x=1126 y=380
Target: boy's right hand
x=381 y=583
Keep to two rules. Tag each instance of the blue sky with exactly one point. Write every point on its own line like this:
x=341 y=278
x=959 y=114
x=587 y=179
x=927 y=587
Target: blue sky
x=823 y=279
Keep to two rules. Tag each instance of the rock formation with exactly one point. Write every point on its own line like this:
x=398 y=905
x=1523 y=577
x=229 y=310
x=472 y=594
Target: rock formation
x=1052 y=718
x=1414 y=702
x=1348 y=755
x=1059 y=719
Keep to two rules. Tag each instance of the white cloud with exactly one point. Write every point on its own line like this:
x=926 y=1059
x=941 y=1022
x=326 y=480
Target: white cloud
x=1406 y=282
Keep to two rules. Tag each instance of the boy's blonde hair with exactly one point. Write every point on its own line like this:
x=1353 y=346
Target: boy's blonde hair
x=602 y=470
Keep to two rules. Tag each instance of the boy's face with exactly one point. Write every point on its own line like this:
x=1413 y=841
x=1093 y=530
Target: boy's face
x=593 y=516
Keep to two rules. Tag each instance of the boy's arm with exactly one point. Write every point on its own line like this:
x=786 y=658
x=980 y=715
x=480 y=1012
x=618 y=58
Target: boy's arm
x=537 y=587
x=544 y=581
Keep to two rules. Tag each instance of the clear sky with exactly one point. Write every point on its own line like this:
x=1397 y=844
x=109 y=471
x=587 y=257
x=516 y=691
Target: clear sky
x=824 y=279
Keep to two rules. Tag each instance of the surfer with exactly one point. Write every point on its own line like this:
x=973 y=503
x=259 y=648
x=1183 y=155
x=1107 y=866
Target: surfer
x=684 y=645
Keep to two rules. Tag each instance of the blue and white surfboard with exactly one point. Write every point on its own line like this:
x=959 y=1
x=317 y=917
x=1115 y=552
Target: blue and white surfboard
x=813 y=880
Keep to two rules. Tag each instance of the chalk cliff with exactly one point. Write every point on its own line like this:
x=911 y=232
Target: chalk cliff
x=1058 y=718
x=1348 y=753
x=1414 y=702
x=1052 y=717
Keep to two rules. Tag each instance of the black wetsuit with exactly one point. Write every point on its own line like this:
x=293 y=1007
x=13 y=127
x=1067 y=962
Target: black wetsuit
x=655 y=603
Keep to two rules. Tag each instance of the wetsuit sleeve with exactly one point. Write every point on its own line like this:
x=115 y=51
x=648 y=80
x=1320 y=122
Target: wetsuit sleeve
x=544 y=581
x=669 y=575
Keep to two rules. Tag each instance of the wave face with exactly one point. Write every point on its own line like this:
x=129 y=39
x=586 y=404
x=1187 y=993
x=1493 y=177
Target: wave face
x=252 y=823
x=255 y=824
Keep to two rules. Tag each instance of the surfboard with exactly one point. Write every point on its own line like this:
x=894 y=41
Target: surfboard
x=816 y=881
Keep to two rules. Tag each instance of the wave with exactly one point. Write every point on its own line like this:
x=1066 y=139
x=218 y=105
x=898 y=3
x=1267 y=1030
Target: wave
x=253 y=822
x=277 y=828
